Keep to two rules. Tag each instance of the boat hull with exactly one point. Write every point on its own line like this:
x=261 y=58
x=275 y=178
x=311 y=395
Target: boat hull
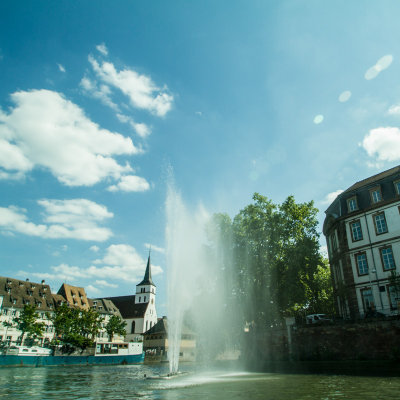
x=44 y=361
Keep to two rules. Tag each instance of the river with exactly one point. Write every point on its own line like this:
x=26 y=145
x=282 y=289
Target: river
x=130 y=382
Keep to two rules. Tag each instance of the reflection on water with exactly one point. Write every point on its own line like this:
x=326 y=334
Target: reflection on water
x=129 y=382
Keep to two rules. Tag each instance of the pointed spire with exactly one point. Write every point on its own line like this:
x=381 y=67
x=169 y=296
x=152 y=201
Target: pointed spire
x=147 y=280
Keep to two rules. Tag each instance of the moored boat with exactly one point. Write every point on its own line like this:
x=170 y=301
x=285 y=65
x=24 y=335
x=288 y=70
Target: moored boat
x=102 y=354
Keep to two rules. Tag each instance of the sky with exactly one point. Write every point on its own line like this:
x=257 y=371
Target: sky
x=99 y=100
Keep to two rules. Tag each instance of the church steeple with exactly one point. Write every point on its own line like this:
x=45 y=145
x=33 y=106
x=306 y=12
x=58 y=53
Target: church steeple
x=147 y=280
x=146 y=289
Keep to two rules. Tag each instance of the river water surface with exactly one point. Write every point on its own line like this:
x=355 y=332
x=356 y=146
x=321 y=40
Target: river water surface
x=130 y=382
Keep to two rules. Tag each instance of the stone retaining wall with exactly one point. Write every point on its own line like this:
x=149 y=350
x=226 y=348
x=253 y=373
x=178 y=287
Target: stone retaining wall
x=365 y=340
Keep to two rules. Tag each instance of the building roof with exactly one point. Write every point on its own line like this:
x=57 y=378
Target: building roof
x=147 y=280
x=162 y=327
x=17 y=293
x=127 y=307
x=373 y=179
x=361 y=191
x=104 y=306
x=75 y=296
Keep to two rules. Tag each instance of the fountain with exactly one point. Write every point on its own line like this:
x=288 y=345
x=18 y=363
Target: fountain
x=193 y=275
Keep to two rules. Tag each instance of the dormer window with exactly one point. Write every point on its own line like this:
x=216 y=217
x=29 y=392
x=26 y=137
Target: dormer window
x=376 y=195
x=352 y=204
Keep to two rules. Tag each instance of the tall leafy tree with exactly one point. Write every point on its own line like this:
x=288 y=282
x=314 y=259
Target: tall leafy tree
x=28 y=324
x=76 y=327
x=115 y=326
x=276 y=268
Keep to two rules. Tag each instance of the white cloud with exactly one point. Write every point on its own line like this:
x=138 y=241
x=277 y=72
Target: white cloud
x=92 y=290
x=394 y=109
x=67 y=219
x=61 y=67
x=330 y=197
x=104 y=283
x=380 y=66
x=130 y=183
x=120 y=263
x=141 y=129
x=102 y=49
x=102 y=92
x=46 y=130
x=94 y=248
x=383 y=143
x=141 y=90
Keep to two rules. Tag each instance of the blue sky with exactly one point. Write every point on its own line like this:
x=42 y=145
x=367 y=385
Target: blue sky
x=97 y=100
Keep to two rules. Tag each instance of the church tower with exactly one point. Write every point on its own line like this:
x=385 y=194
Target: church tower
x=146 y=290
x=146 y=295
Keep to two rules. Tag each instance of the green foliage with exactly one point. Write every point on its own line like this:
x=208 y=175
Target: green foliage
x=27 y=323
x=275 y=268
x=76 y=327
x=115 y=325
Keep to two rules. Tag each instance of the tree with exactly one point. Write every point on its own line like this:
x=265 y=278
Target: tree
x=76 y=327
x=115 y=325
x=27 y=323
x=276 y=268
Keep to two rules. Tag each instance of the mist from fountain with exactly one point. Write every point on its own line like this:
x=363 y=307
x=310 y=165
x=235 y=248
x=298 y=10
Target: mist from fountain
x=196 y=288
x=183 y=235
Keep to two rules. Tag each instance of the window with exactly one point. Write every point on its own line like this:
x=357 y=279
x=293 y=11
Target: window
x=133 y=327
x=394 y=297
x=144 y=299
x=356 y=232
x=140 y=299
x=352 y=204
x=368 y=299
x=397 y=186
x=380 y=223
x=376 y=195
x=362 y=264
x=334 y=242
x=387 y=258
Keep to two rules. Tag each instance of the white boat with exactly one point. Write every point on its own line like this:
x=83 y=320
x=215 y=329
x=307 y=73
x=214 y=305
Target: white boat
x=28 y=351
x=121 y=349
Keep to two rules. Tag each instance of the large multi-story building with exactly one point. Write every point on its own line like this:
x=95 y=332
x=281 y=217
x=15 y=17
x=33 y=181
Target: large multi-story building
x=15 y=294
x=362 y=229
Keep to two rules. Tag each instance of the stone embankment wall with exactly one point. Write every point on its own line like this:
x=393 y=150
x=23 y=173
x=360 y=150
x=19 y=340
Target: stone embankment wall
x=373 y=340
x=364 y=340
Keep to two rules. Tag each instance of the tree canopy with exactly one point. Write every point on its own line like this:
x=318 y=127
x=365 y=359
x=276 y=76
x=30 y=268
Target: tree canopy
x=270 y=261
x=76 y=327
x=28 y=324
x=115 y=325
